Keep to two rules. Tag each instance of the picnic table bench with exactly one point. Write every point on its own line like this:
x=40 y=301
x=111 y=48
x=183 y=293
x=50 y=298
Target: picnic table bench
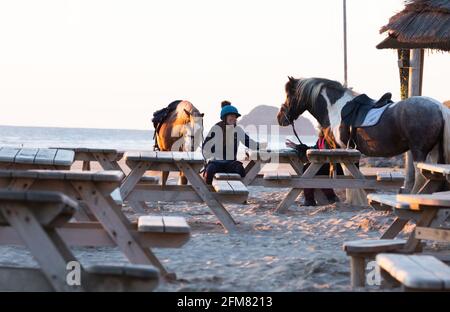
x=109 y=225
x=35 y=158
x=414 y=272
x=34 y=216
x=190 y=163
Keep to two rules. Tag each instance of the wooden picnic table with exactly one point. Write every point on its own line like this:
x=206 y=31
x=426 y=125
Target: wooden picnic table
x=107 y=158
x=110 y=226
x=423 y=208
x=189 y=163
x=35 y=158
x=35 y=217
x=436 y=175
x=354 y=179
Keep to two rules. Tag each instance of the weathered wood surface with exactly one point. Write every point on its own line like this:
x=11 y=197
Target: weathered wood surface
x=37 y=156
x=373 y=245
x=418 y=272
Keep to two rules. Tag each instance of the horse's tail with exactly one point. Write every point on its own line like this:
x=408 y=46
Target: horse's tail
x=446 y=134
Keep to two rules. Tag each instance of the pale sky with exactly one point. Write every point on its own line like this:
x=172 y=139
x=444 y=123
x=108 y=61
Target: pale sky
x=110 y=64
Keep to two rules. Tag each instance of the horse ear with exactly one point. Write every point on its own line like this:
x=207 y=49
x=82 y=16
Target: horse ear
x=202 y=115
x=290 y=85
x=187 y=112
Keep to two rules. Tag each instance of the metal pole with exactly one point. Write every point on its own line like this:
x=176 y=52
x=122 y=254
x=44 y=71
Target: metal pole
x=345 y=43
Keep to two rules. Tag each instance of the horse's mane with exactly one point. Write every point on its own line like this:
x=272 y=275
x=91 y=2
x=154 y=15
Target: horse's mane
x=307 y=90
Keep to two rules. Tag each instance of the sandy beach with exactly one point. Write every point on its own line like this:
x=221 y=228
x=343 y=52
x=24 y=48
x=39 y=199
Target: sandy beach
x=298 y=251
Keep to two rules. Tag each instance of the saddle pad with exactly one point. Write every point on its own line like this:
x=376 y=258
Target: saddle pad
x=373 y=116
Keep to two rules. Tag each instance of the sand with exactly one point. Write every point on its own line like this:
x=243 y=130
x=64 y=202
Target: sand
x=298 y=251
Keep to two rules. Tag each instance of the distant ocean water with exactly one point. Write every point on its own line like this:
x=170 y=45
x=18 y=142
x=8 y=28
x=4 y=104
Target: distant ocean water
x=101 y=138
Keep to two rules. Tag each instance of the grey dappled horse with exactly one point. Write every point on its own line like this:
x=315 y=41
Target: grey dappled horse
x=419 y=124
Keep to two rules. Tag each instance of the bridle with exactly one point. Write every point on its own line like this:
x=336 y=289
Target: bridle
x=291 y=122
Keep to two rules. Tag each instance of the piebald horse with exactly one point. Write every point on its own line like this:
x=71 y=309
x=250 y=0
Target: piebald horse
x=181 y=131
x=418 y=124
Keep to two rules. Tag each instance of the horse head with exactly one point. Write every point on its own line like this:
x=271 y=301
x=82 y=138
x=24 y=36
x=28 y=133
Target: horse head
x=291 y=108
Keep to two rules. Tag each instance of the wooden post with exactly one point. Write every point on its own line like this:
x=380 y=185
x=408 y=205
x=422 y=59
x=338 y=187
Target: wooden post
x=415 y=89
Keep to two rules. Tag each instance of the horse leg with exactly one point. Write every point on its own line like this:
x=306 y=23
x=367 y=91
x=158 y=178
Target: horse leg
x=410 y=173
x=164 y=177
x=419 y=179
x=182 y=180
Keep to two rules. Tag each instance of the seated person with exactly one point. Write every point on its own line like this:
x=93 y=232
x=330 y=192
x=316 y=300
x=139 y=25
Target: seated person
x=220 y=146
x=325 y=170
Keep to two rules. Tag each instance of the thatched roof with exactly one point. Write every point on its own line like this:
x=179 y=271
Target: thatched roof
x=422 y=24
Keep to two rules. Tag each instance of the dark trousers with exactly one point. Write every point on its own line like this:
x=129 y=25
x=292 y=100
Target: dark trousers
x=325 y=170
x=222 y=166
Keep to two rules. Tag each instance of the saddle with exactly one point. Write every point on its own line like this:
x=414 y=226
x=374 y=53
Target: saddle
x=160 y=116
x=355 y=111
x=363 y=111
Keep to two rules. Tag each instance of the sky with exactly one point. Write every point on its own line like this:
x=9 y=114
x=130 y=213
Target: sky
x=111 y=64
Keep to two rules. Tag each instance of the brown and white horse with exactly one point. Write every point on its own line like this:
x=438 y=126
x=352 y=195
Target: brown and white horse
x=182 y=130
x=418 y=124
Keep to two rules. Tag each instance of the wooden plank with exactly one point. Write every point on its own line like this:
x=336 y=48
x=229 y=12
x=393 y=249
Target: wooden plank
x=238 y=187
x=26 y=156
x=222 y=187
x=443 y=169
x=395 y=228
x=416 y=272
x=150 y=224
x=440 y=201
x=373 y=245
x=64 y=158
x=384 y=176
x=227 y=176
x=133 y=156
x=441 y=235
x=173 y=224
x=388 y=200
x=8 y=154
x=165 y=157
x=45 y=156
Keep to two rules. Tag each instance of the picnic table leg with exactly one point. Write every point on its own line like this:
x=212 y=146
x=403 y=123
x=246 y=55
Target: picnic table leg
x=430 y=187
x=251 y=171
x=356 y=196
x=293 y=193
x=425 y=220
x=208 y=197
x=117 y=226
x=296 y=165
x=52 y=261
x=395 y=228
x=105 y=163
x=130 y=182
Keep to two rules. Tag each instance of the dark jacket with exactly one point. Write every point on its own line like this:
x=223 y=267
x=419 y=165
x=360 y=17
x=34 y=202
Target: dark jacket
x=223 y=140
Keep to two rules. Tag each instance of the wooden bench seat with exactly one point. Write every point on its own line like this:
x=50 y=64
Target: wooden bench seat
x=390 y=176
x=227 y=176
x=361 y=250
x=163 y=224
x=277 y=175
x=231 y=191
x=386 y=202
x=414 y=272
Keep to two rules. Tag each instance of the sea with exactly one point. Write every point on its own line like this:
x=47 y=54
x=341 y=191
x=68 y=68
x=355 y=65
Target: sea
x=122 y=139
